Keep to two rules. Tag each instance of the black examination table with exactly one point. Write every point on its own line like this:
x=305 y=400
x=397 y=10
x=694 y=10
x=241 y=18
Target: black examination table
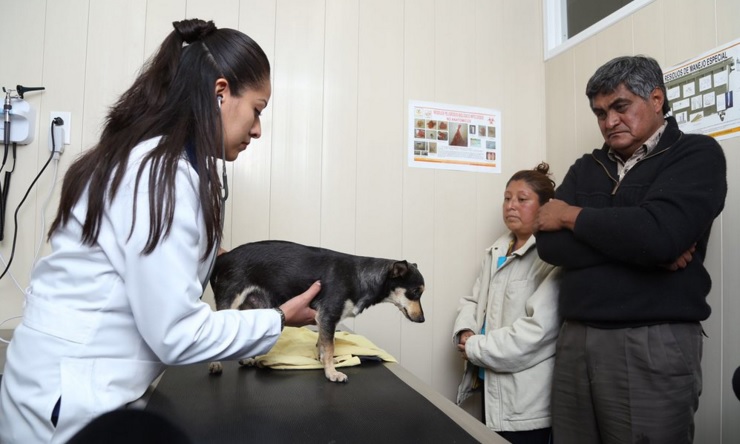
x=254 y=405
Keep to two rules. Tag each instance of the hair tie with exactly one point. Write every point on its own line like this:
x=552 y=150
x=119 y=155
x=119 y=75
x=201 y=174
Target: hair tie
x=192 y=30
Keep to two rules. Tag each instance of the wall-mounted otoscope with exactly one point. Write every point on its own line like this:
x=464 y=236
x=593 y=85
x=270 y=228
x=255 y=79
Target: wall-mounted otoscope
x=21 y=90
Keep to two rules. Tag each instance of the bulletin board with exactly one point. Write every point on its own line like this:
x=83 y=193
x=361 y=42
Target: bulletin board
x=702 y=92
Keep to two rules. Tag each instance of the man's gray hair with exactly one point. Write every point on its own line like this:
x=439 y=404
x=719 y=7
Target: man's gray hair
x=639 y=74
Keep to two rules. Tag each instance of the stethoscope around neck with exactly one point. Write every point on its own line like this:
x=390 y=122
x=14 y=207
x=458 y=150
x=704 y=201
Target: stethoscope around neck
x=224 y=196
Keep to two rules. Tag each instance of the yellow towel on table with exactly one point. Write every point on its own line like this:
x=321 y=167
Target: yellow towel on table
x=296 y=349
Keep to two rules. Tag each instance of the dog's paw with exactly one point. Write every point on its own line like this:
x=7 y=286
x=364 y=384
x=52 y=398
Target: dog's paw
x=215 y=368
x=335 y=376
x=248 y=362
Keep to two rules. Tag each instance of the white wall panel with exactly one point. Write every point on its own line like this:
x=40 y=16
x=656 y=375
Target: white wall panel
x=690 y=29
x=339 y=159
x=420 y=56
x=562 y=102
x=115 y=53
x=709 y=417
x=524 y=116
x=457 y=257
x=226 y=15
x=649 y=34
x=728 y=26
x=297 y=121
x=159 y=17
x=380 y=156
x=22 y=63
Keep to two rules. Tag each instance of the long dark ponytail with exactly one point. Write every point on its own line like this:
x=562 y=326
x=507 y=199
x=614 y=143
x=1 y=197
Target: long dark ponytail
x=173 y=97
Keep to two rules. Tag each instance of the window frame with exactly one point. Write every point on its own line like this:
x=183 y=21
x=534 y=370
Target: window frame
x=556 y=27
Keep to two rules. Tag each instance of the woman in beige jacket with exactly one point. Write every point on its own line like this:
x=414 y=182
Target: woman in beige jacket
x=506 y=330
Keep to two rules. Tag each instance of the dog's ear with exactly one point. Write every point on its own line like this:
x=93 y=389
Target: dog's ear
x=399 y=269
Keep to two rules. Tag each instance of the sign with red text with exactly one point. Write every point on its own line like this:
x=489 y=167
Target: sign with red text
x=454 y=137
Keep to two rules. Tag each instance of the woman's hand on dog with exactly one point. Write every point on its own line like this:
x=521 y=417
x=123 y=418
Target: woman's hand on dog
x=297 y=311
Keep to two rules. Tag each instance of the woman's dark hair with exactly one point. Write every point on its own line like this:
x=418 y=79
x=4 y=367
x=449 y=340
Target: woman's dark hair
x=173 y=97
x=539 y=180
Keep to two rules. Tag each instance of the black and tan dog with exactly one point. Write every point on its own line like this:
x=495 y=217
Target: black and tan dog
x=266 y=274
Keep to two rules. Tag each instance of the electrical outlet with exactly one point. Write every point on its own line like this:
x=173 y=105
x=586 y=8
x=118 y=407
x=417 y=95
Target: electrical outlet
x=67 y=117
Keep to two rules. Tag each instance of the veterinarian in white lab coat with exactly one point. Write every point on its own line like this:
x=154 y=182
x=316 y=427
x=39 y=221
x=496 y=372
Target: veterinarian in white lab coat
x=138 y=225
x=506 y=330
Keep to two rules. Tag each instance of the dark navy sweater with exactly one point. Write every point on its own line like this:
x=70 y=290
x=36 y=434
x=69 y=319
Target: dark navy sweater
x=613 y=259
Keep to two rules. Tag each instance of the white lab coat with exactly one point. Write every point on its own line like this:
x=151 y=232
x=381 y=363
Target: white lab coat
x=101 y=322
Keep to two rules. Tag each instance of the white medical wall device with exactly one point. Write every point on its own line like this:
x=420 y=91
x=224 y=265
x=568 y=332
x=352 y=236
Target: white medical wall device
x=22 y=122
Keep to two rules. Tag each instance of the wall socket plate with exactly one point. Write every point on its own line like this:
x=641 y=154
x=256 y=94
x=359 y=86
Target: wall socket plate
x=67 y=117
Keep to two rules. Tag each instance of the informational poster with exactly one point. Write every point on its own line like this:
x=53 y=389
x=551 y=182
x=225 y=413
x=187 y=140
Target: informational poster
x=703 y=90
x=452 y=137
